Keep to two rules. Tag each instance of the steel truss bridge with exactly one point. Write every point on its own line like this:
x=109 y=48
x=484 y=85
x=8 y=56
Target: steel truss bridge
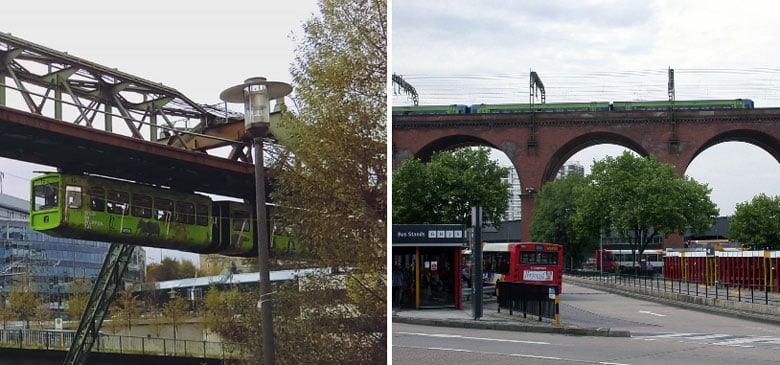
x=82 y=117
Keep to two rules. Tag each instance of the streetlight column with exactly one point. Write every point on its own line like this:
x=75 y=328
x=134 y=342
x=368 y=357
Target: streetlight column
x=256 y=93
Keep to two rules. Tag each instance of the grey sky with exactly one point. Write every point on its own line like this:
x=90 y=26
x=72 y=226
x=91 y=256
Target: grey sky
x=197 y=47
x=466 y=52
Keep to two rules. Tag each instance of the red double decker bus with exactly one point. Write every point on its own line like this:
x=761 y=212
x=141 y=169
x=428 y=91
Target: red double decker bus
x=537 y=263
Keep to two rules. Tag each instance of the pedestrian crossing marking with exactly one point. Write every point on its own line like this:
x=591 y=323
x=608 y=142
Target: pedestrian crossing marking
x=718 y=339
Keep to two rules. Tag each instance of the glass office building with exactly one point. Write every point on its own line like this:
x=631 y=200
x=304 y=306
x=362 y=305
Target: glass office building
x=46 y=263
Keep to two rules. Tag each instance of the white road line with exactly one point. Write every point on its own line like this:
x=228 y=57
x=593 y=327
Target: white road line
x=716 y=339
x=537 y=357
x=514 y=355
x=653 y=314
x=666 y=335
x=709 y=337
x=448 y=349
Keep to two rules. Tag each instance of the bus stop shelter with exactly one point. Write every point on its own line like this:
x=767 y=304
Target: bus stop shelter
x=428 y=259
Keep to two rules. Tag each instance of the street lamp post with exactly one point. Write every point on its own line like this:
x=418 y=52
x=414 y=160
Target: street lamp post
x=256 y=93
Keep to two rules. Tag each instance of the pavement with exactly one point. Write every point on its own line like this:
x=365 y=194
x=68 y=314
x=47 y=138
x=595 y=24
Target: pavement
x=494 y=320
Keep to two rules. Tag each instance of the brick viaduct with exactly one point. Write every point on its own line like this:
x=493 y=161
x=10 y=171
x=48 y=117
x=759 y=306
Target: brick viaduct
x=539 y=144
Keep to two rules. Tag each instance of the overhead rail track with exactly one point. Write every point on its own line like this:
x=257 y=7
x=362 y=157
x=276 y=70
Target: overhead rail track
x=67 y=88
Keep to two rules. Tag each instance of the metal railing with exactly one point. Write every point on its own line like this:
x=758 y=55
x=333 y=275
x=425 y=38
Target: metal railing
x=61 y=340
x=527 y=299
x=767 y=295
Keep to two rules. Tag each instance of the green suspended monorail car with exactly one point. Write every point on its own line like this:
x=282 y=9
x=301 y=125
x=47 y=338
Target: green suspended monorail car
x=100 y=209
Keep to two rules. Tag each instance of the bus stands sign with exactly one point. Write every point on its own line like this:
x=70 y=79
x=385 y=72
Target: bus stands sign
x=441 y=235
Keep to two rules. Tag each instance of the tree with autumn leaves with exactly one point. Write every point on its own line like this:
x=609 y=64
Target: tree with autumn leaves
x=330 y=192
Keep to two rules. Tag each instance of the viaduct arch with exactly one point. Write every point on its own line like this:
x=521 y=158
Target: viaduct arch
x=538 y=144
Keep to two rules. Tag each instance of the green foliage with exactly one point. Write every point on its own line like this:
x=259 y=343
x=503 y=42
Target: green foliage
x=156 y=322
x=329 y=187
x=640 y=198
x=331 y=190
x=23 y=302
x=6 y=314
x=175 y=311
x=42 y=315
x=757 y=223
x=334 y=318
x=126 y=309
x=445 y=189
x=233 y=316
x=170 y=269
x=79 y=298
x=553 y=219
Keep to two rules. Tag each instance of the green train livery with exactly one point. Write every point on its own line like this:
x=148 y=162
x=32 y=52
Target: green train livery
x=100 y=209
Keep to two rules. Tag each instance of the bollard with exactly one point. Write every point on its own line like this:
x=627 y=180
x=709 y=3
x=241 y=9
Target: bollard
x=498 y=301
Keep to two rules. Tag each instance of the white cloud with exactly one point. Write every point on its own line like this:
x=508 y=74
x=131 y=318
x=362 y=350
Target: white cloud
x=463 y=52
x=197 y=47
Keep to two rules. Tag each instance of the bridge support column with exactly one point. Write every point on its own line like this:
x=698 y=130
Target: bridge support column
x=675 y=240
x=526 y=213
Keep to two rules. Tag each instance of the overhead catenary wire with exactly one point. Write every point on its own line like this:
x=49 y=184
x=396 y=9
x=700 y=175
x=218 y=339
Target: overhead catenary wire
x=761 y=84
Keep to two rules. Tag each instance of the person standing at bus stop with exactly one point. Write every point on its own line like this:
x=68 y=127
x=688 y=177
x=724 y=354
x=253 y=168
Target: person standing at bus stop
x=398 y=284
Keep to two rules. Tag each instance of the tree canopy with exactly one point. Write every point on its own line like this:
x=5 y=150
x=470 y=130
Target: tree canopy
x=757 y=223
x=170 y=269
x=445 y=189
x=639 y=198
x=126 y=309
x=553 y=218
x=175 y=310
x=330 y=189
x=79 y=298
x=24 y=302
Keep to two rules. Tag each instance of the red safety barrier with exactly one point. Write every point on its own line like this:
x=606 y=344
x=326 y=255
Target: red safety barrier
x=747 y=269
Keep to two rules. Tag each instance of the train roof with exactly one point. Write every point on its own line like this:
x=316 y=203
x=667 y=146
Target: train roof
x=243 y=278
x=14 y=203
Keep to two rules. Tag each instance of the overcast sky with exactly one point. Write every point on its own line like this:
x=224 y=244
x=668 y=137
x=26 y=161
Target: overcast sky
x=197 y=47
x=466 y=52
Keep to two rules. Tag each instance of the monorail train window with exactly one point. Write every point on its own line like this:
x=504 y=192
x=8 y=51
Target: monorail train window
x=117 y=202
x=202 y=215
x=141 y=206
x=241 y=221
x=97 y=199
x=73 y=196
x=185 y=212
x=163 y=209
x=46 y=196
